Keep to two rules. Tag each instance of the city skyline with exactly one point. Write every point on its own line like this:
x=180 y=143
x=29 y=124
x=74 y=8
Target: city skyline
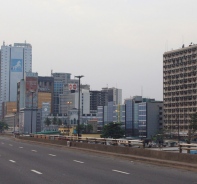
x=112 y=43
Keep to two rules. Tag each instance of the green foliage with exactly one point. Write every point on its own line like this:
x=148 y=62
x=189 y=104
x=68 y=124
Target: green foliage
x=112 y=130
x=3 y=126
x=88 y=128
x=59 y=122
x=83 y=128
x=47 y=121
x=160 y=135
x=54 y=120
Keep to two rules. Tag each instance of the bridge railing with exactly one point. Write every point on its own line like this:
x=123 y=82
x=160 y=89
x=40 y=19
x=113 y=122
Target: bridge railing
x=187 y=147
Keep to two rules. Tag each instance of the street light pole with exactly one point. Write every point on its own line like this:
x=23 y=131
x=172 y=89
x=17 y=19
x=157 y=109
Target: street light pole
x=78 y=123
x=69 y=117
x=32 y=92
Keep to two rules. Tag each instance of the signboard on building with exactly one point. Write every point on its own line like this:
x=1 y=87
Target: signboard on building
x=72 y=86
x=31 y=92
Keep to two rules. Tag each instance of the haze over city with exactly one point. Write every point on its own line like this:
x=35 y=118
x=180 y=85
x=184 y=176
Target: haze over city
x=114 y=43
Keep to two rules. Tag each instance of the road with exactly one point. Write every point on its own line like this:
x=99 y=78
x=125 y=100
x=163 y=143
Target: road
x=30 y=163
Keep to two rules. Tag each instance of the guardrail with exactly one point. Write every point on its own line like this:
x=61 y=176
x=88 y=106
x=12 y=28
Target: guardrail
x=93 y=140
x=187 y=147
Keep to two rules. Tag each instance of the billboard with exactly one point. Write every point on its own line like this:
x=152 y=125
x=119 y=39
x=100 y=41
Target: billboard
x=16 y=65
x=72 y=86
x=31 y=92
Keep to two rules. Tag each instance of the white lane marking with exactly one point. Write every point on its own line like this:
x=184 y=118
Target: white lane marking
x=131 y=161
x=78 y=161
x=10 y=144
x=37 y=172
x=34 y=150
x=120 y=172
x=52 y=155
x=12 y=161
x=2 y=143
x=21 y=147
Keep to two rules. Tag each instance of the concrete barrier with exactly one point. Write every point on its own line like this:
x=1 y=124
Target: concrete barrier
x=169 y=156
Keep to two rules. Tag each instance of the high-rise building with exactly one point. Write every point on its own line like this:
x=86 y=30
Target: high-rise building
x=98 y=98
x=114 y=95
x=179 y=88
x=60 y=79
x=14 y=62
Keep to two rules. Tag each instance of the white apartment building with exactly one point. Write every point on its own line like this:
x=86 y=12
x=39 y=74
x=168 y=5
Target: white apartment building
x=14 y=62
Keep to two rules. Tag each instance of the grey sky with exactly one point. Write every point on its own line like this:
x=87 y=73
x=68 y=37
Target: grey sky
x=118 y=43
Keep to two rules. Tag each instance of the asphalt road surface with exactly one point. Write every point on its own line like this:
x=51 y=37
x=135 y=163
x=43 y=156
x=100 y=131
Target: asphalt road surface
x=31 y=163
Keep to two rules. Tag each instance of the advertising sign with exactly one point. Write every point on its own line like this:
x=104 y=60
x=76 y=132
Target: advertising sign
x=31 y=91
x=72 y=86
x=16 y=65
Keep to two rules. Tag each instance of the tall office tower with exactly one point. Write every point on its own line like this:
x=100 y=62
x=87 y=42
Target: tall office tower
x=114 y=95
x=60 y=79
x=98 y=98
x=179 y=88
x=14 y=62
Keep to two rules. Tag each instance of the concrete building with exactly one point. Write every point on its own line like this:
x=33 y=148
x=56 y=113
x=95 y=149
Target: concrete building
x=14 y=62
x=140 y=117
x=45 y=91
x=98 y=98
x=150 y=118
x=179 y=88
x=114 y=94
x=27 y=100
x=60 y=79
x=9 y=108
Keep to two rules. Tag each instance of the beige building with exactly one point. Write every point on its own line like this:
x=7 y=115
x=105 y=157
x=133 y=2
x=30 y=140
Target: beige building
x=9 y=108
x=43 y=97
x=179 y=88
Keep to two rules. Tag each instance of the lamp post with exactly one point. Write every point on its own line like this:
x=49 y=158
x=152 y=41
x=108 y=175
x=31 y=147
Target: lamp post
x=14 y=112
x=78 y=123
x=69 y=117
x=32 y=92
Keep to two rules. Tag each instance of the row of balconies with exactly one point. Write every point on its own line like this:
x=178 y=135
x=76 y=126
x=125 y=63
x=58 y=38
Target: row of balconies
x=182 y=96
x=169 y=94
x=185 y=70
x=180 y=101
x=179 y=93
x=181 y=89
x=176 y=57
x=179 y=64
x=191 y=107
x=184 y=60
x=179 y=109
x=170 y=110
x=180 y=75
x=174 y=83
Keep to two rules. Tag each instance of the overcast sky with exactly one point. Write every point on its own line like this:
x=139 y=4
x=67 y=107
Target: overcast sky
x=114 y=43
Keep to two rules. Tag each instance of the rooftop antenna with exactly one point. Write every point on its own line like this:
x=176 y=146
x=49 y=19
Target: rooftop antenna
x=142 y=91
x=182 y=40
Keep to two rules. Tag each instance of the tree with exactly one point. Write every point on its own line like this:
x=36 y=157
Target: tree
x=59 y=122
x=159 y=136
x=192 y=127
x=88 y=128
x=81 y=128
x=47 y=121
x=112 y=130
x=54 y=120
x=3 y=126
